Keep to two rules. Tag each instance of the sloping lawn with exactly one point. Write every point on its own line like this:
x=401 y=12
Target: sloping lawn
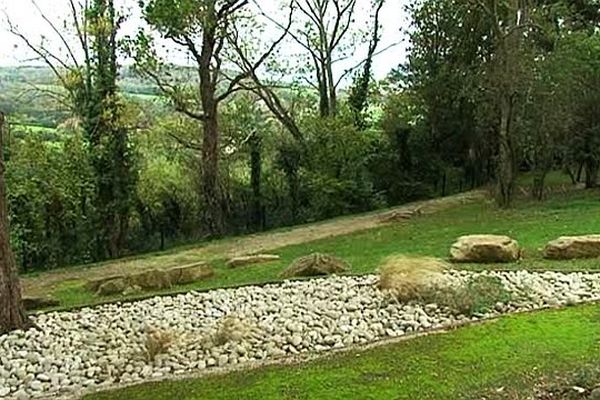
x=532 y=223
x=511 y=353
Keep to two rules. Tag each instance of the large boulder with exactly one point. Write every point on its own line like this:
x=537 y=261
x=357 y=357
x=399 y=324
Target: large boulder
x=237 y=262
x=573 y=247
x=485 y=249
x=190 y=273
x=38 y=303
x=94 y=285
x=112 y=287
x=401 y=215
x=316 y=264
x=154 y=279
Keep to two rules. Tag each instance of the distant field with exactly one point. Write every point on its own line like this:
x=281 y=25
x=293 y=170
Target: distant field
x=145 y=97
x=34 y=128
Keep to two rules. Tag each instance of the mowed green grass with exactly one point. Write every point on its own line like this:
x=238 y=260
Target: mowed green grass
x=532 y=223
x=470 y=363
x=36 y=128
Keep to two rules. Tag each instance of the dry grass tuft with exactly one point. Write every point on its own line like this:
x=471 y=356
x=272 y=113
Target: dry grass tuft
x=157 y=342
x=409 y=278
x=231 y=329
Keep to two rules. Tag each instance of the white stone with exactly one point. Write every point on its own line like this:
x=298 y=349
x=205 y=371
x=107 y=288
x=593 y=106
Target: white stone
x=106 y=344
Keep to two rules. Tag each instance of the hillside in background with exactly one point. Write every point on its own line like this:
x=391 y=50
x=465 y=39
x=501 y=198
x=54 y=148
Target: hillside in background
x=30 y=95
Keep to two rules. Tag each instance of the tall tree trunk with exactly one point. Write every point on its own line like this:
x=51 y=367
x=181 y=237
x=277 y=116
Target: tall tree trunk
x=323 y=92
x=579 y=172
x=506 y=174
x=208 y=74
x=591 y=173
x=539 y=180
x=255 y=179
x=12 y=313
x=108 y=139
x=210 y=176
x=331 y=88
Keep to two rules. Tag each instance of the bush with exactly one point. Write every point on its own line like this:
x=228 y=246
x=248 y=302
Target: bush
x=420 y=279
x=335 y=176
x=479 y=295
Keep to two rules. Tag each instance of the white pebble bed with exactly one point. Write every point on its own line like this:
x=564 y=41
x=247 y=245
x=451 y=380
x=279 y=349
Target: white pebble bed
x=99 y=347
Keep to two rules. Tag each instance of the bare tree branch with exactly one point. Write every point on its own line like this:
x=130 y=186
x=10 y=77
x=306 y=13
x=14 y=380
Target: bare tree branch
x=58 y=33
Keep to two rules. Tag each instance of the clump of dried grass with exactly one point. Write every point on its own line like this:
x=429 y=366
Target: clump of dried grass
x=232 y=329
x=410 y=278
x=158 y=341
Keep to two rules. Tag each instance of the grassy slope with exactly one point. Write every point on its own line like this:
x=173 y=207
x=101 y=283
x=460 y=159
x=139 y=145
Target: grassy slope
x=533 y=224
x=512 y=353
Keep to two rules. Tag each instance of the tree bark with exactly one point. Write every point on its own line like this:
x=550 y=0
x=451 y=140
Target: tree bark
x=210 y=176
x=12 y=313
x=591 y=173
x=208 y=73
x=506 y=173
x=579 y=172
x=255 y=179
x=539 y=185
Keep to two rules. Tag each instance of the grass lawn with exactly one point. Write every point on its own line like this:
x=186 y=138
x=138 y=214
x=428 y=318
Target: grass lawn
x=532 y=223
x=36 y=128
x=469 y=363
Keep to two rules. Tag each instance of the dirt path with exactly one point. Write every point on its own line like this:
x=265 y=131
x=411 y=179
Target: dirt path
x=263 y=242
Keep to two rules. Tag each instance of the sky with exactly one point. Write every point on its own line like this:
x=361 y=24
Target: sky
x=24 y=14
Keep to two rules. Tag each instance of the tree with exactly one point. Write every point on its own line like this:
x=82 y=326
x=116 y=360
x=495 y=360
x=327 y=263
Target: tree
x=358 y=98
x=507 y=82
x=329 y=22
x=583 y=51
x=108 y=135
x=203 y=29
x=88 y=71
x=12 y=313
x=449 y=44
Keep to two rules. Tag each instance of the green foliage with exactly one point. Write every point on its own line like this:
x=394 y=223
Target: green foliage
x=50 y=195
x=479 y=295
x=166 y=203
x=336 y=172
x=432 y=128
x=582 y=52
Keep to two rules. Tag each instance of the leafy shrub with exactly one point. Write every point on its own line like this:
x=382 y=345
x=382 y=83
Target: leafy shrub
x=479 y=295
x=336 y=176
